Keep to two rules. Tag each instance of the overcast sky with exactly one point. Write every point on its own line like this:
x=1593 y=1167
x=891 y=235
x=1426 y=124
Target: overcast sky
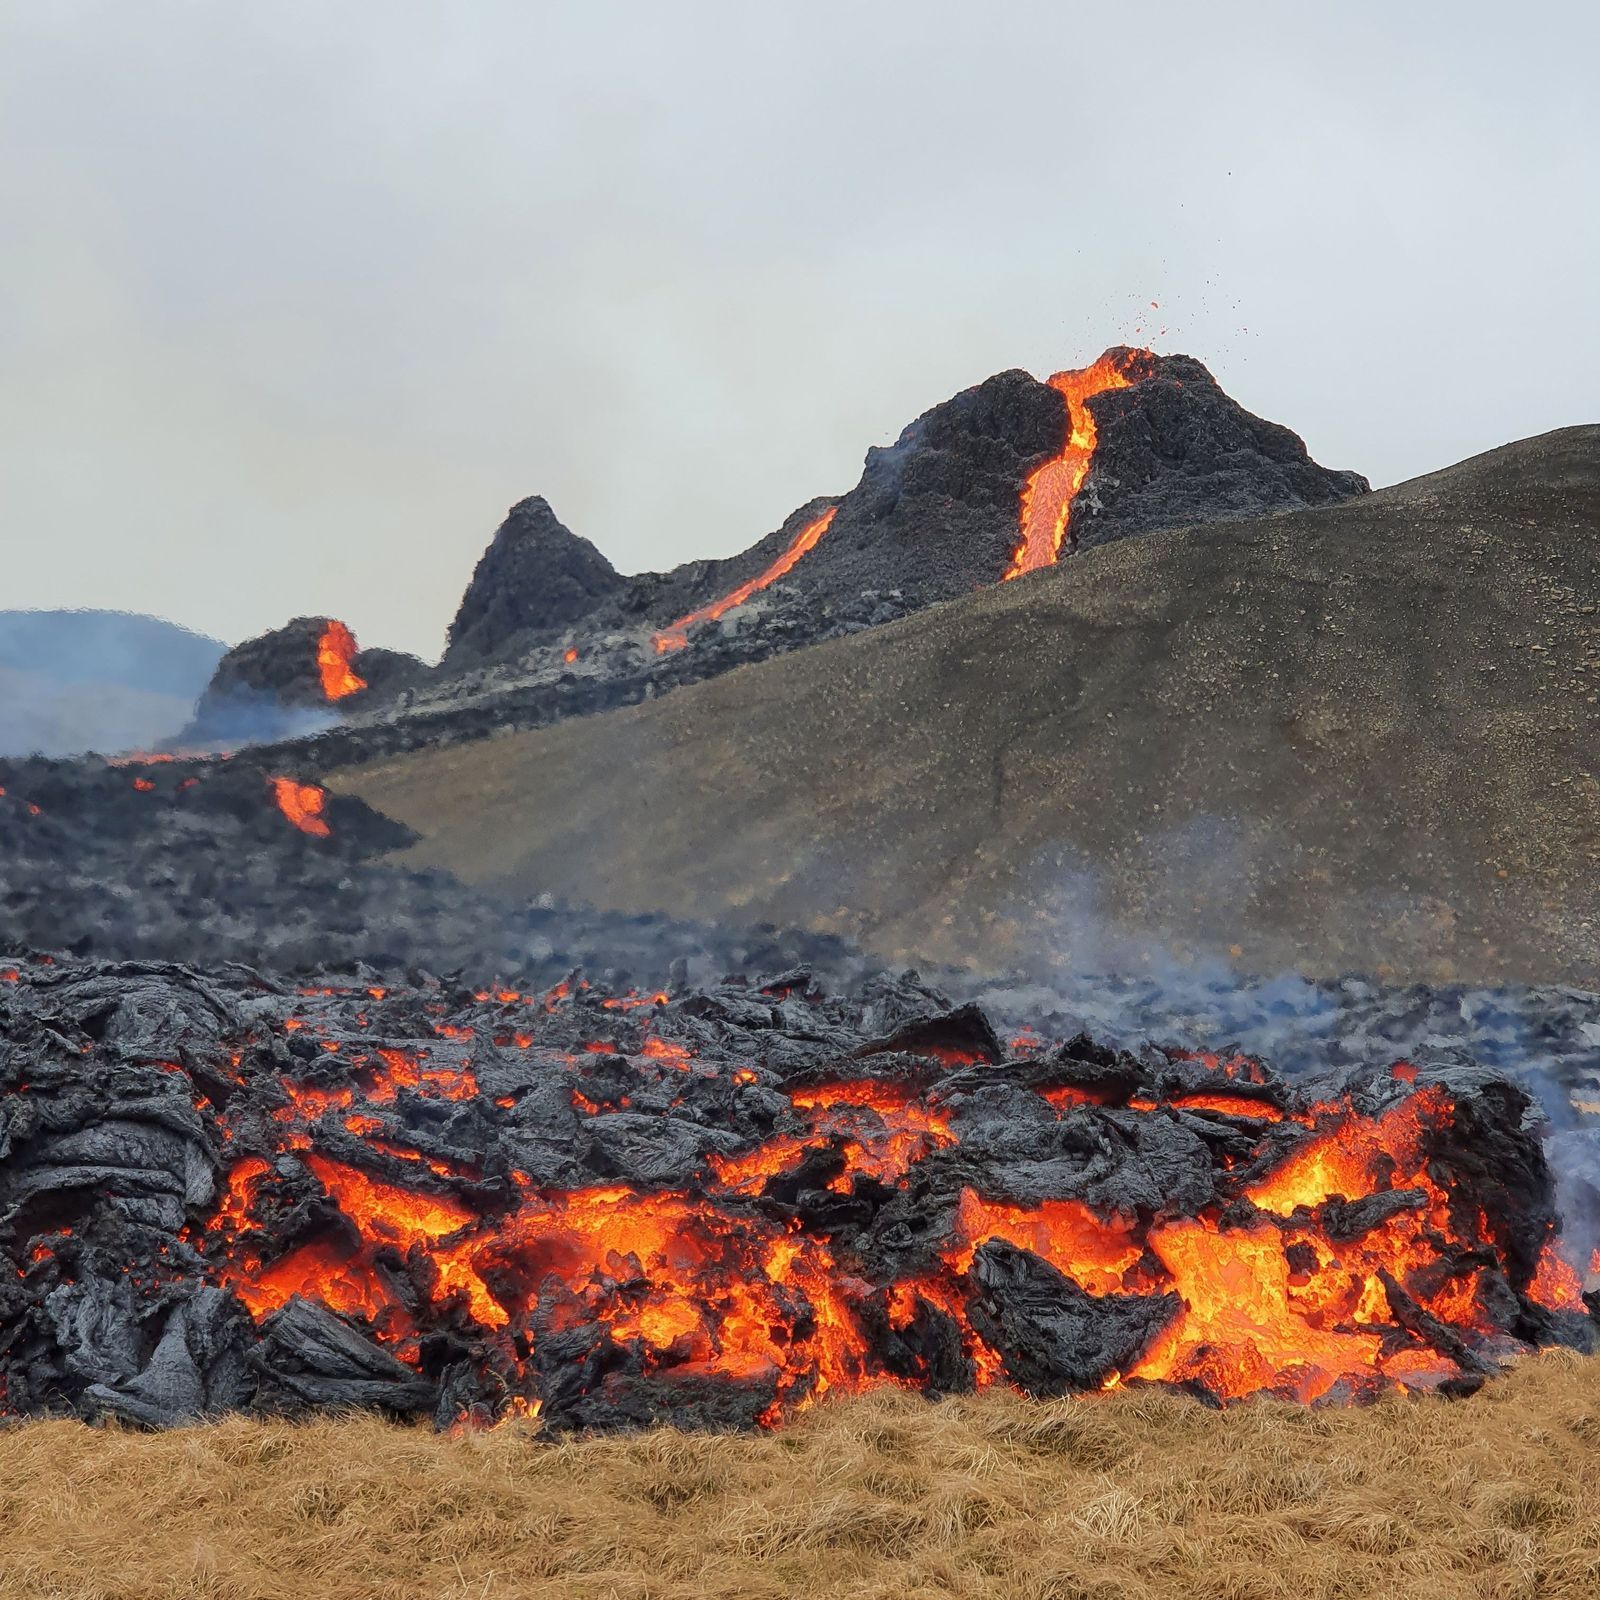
x=296 y=298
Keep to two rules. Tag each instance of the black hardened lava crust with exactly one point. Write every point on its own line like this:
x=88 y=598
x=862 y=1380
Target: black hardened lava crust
x=223 y=1192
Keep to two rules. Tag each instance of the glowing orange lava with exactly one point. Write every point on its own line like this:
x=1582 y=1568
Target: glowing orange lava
x=1094 y=1252
x=743 y=1273
x=1047 y=496
x=336 y=649
x=302 y=804
x=677 y=636
x=1556 y=1284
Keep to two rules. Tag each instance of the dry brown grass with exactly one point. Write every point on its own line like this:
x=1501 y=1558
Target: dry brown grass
x=1123 y=1497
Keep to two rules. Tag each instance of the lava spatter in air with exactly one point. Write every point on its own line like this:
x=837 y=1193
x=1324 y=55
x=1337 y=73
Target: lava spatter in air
x=677 y=636
x=1048 y=495
x=336 y=650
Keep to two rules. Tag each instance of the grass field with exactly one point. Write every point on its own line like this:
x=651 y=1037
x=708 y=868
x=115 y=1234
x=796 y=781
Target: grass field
x=1117 y=1497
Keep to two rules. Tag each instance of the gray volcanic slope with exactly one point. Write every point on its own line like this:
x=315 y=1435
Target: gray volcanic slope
x=1358 y=737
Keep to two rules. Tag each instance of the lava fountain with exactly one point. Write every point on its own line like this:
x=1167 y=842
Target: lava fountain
x=336 y=650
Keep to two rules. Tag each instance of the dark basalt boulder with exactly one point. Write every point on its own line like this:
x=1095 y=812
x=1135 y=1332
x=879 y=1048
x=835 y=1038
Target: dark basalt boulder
x=536 y=575
x=1054 y=1337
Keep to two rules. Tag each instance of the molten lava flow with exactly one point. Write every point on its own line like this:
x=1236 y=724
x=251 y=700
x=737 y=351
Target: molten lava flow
x=1345 y=1160
x=1556 y=1284
x=336 y=649
x=677 y=636
x=721 y=1293
x=302 y=804
x=1230 y=1105
x=875 y=1129
x=1096 y=1253
x=1239 y=1330
x=1047 y=496
x=1282 y=1303
x=838 y=1241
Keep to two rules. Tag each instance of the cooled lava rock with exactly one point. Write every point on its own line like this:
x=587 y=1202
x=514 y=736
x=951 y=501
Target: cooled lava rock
x=198 y=862
x=222 y=1192
x=231 y=860
x=936 y=514
x=535 y=576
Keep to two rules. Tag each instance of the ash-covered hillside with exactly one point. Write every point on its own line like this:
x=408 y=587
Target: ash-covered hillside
x=1348 y=736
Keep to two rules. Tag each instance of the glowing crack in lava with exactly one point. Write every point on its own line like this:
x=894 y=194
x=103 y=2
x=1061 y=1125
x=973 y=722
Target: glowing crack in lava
x=302 y=804
x=1048 y=495
x=677 y=636
x=1269 y=1293
x=1269 y=1287
x=336 y=649
x=619 y=1208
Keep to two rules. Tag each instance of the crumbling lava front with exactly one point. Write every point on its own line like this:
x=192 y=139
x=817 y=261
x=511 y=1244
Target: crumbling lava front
x=220 y=1192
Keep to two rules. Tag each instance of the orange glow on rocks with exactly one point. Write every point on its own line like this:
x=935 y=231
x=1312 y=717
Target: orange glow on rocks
x=1096 y=1253
x=1267 y=1296
x=809 y=1212
x=1557 y=1284
x=1240 y=1329
x=677 y=636
x=1048 y=494
x=336 y=650
x=1231 y=1105
x=1343 y=1160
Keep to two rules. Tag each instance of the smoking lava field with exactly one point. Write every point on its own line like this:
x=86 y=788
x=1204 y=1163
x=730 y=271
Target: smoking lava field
x=399 y=1043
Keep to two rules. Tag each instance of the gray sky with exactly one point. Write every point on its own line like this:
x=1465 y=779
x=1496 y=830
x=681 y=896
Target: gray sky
x=296 y=298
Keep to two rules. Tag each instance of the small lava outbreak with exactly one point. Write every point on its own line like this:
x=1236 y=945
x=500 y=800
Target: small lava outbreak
x=1049 y=493
x=336 y=650
x=715 y=1207
x=677 y=636
x=303 y=805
